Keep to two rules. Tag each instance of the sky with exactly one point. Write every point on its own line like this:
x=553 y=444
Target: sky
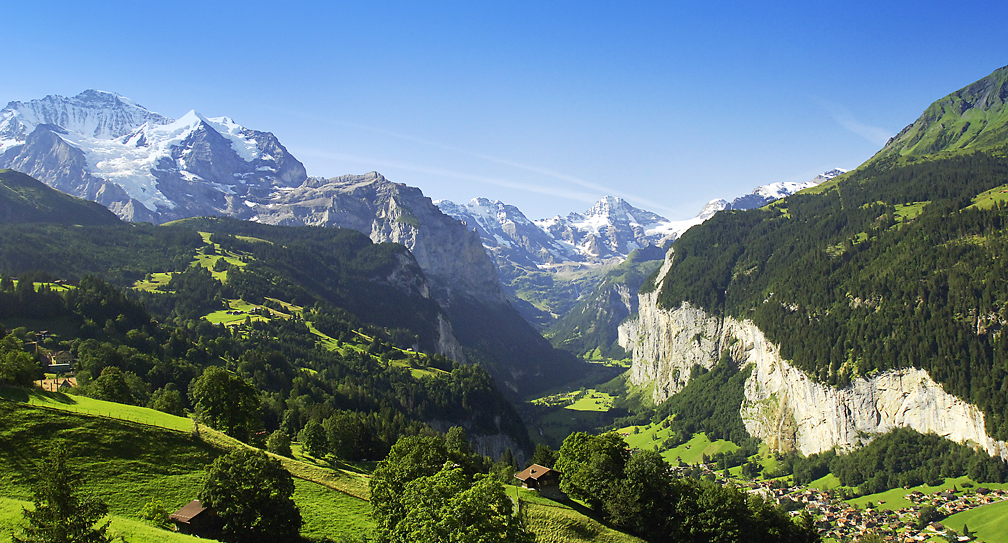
x=544 y=105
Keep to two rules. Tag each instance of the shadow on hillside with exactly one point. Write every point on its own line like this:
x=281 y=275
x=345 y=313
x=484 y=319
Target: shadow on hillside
x=24 y=395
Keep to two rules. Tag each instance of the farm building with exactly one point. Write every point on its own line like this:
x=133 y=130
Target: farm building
x=544 y=480
x=194 y=519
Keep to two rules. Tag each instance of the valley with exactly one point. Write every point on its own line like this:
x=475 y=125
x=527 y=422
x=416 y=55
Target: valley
x=817 y=361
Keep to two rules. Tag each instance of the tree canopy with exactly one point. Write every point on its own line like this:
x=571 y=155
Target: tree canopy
x=251 y=494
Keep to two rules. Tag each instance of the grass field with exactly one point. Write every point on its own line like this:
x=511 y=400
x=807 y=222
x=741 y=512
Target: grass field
x=111 y=455
x=990 y=522
x=329 y=513
x=906 y=212
x=690 y=452
x=90 y=406
x=133 y=531
x=991 y=198
x=555 y=522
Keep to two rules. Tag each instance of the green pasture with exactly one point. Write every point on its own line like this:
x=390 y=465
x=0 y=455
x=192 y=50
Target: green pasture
x=91 y=406
x=124 y=463
x=829 y=482
x=991 y=198
x=328 y=513
x=127 y=463
x=153 y=282
x=131 y=530
x=907 y=212
x=990 y=522
x=593 y=401
x=691 y=452
x=557 y=522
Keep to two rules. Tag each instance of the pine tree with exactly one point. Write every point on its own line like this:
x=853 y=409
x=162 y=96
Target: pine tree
x=61 y=515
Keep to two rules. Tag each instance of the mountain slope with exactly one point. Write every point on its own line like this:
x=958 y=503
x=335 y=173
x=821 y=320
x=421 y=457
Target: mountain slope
x=836 y=295
x=591 y=326
x=26 y=200
x=972 y=118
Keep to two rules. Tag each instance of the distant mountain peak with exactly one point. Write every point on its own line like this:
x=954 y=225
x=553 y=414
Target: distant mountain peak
x=97 y=114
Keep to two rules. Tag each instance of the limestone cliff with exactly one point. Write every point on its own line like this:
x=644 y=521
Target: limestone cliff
x=782 y=405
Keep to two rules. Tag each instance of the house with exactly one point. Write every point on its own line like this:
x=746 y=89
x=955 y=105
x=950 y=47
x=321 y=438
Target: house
x=544 y=480
x=60 y=362
x=194 y=519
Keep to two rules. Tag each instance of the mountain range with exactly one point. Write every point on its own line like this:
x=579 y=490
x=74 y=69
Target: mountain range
x=146 y=167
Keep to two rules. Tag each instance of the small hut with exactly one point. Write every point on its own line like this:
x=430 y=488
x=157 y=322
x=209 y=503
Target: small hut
x=194 y=519
x=544 y=480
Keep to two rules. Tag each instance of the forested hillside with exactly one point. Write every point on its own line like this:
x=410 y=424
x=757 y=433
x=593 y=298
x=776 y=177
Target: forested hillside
x=897 y=264
x=325 y=321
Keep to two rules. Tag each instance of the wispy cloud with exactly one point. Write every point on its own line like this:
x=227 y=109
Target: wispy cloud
x=600 y=190
x=844 y=118
x=537 y=189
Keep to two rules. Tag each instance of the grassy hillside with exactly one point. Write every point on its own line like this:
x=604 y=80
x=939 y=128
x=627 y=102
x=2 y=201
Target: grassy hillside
x=114 y=454
x=26 y=200
x=972 y=118
x=555 y=522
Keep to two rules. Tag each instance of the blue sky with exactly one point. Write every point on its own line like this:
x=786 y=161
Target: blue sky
x=544 y=105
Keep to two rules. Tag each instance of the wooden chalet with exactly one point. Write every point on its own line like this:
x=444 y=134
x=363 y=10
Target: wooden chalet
x=194 y=519
x=544 y=480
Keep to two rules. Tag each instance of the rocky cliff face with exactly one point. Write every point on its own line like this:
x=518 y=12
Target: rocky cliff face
x=451 y=255
x=782 y=405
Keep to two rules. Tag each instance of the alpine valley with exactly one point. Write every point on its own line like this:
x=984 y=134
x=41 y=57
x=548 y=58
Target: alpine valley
x=768 y=370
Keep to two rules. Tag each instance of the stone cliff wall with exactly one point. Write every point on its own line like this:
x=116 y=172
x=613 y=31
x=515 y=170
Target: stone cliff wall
x=782 y=405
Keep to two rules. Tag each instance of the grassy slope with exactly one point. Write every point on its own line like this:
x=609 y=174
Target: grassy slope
x=153 y=458
x=691 y=452
x=111 y=455
x=132 y=530
x=990 y=522
x=555 y=522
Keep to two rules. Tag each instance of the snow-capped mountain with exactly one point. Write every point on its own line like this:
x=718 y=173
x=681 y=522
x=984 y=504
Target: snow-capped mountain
x=142 y=165
x=608 y=231
x=97 y=114
x=764 y=194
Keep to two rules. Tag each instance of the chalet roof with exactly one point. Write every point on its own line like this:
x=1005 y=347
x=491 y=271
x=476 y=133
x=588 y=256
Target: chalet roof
x=534 y=472
x=188 y=511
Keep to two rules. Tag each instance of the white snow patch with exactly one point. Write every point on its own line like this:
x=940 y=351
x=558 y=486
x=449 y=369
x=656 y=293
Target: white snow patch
x=247 y=148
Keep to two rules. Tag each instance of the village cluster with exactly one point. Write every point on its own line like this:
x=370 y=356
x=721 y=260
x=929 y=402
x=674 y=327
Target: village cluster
x=841 y=521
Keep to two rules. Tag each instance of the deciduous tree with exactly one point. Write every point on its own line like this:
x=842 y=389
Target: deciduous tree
x=251 y=494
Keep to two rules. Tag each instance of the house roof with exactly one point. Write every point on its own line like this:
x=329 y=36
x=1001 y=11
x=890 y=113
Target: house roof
x=534 y=472
x=188 y=511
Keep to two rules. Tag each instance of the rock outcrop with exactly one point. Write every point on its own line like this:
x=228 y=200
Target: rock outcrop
x=782 y=405
x=451 y=255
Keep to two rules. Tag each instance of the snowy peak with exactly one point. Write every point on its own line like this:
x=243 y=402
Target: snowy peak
x=92 y=113
x=780 y=190
x=764 y=194
x=174 y=168
x=711 y=208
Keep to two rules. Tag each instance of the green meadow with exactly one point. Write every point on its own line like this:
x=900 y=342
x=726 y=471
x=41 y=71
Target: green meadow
x=555 y=522
x=989 y=523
